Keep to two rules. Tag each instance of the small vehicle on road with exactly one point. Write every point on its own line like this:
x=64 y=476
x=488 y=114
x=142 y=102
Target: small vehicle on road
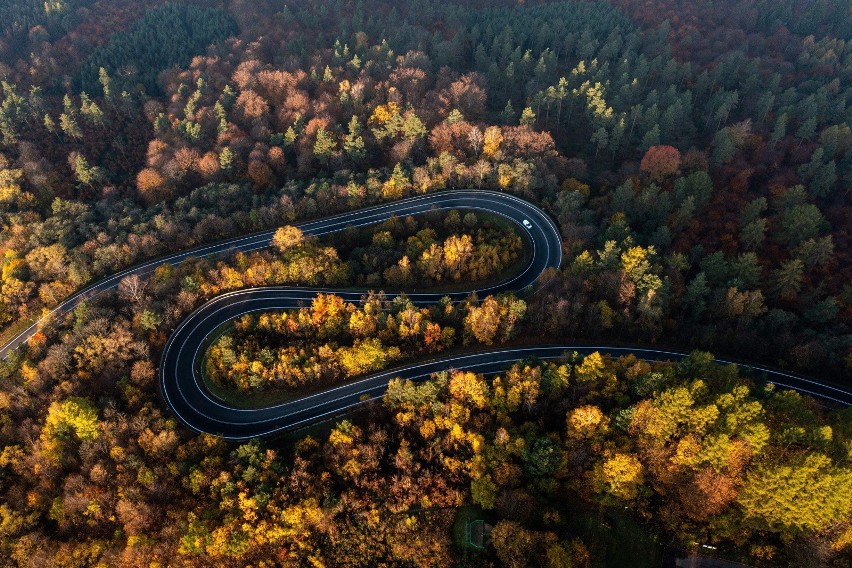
x=527 y=223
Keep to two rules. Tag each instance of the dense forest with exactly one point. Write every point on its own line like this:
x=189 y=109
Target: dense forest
x=334 y=340
x=696 y=156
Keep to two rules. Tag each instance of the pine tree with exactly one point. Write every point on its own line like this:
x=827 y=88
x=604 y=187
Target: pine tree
x=528 y=118
x=807 y=130
x=226 y=159
x=90 y=110
x=161 y=123
x=413 y=127
x=324 y=146
x=508 y=114
x=69 y=125
x=723 y=148
x=85 y=173
x=779 y=131
x=651 y=138
x=49 y=124
x=228 y=96
x=106 y=82
x=290 y=136
x=820 y=176
x=353 y=142
x=455 y=116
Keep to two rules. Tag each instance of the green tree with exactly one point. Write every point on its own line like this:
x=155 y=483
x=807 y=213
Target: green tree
x=820 y=176
x=807 y=130
x=91 y=111
x=353 y=142
x=508 y=116
x=753 y=234
x=413 y=127
x=483 y=491
x=49 y=123
x=815 y=252
x=651 y=138
x=787 y=280
x=723 y=148
x=541 y=457
x=779 y=131
x=325 y=146
x=85 y=173
x=162 y=123
x=695 y=296
x=600 y=139
x=455 y=116
x=68 y=121
x=799 y=223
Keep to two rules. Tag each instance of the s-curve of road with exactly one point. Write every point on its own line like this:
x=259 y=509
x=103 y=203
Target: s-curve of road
x=186 y=395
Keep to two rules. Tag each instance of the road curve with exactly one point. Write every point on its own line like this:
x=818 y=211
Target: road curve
x=444 y=200
x=184 y=391
x=187 y=397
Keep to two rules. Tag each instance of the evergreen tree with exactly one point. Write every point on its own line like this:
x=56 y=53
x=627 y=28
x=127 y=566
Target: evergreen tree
x=528 y=117
x=325 y=146
x=85 y=173
x=723 y=148
x=508 y=115
x=353 y=142
x=779 y=131
x=651 y=138
x=226 y=159
x=106 y=82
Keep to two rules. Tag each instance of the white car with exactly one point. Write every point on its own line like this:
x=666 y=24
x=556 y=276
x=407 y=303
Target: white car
x=527 y=224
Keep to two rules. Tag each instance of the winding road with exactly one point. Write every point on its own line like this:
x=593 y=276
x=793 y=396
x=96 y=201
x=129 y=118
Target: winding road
x=185 y=393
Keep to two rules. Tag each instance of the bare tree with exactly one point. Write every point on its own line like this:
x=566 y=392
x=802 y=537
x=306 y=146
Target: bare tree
x=475 y=138
x=482 y=168
x=132 y=289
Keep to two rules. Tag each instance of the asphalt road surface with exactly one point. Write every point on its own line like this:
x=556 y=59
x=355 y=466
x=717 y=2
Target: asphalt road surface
x=185 y=393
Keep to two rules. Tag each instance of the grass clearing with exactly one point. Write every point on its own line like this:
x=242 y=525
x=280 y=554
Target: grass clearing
x=464 y=516
x=614 y=538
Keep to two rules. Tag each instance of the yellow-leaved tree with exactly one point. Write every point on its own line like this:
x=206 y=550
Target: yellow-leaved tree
x=74 y=417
